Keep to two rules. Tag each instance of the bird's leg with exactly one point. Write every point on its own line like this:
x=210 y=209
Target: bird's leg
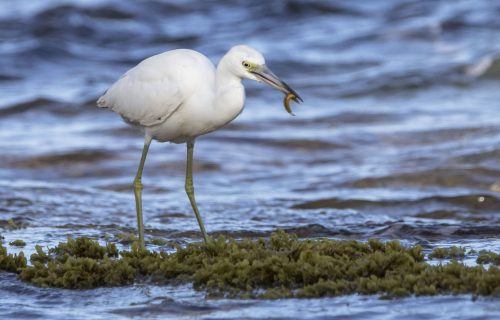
x=190 y=188
x=138 y=192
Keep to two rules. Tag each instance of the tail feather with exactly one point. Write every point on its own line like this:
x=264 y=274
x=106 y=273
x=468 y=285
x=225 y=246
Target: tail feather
x=101 y=102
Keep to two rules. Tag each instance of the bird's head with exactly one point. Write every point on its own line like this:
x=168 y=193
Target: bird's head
x=248 y=63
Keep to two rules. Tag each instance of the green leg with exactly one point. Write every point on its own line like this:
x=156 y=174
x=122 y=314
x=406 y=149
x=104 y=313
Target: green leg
x=190 y=188
x=138 y=192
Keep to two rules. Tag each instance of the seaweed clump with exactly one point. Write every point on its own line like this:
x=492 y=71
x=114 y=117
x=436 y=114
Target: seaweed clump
x=11 y=262
x=279 y=267
x=77 y=264
x=488 y=257
x=12 y=224
x=17 y=243
x=448 y=253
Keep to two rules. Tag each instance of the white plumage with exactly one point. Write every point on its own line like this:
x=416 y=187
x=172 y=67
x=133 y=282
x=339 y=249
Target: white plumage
x=181 y=82
x=150 y=92
x=179 y=95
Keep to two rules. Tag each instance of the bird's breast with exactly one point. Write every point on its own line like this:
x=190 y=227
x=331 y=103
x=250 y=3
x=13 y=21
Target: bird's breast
x=201 y=113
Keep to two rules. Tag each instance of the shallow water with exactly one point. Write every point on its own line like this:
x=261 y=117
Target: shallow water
x=398 y=138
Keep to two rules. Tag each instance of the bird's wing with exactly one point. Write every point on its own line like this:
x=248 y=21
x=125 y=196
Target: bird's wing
x=144 y=96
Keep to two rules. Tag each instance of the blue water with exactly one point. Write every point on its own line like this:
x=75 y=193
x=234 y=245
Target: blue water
x=398 y=138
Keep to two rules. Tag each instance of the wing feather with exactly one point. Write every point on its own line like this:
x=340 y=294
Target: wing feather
x=144 y=96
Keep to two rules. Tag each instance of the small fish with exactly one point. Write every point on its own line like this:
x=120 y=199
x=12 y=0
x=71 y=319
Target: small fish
x=286 y=102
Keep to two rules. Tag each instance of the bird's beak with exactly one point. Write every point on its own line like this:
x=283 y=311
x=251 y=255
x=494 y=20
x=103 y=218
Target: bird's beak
x=263 y=73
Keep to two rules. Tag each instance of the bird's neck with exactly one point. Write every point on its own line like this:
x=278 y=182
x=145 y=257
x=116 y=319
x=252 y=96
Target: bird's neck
x=230 y=94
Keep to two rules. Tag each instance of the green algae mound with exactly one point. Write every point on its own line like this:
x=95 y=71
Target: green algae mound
x=12 y=224
x=488 y=257
x=448 y=253
x=11 y=262
x=17 y=243
x=279 y=267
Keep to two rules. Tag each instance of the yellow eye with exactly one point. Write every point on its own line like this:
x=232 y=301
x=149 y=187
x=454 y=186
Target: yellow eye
x=245 y=64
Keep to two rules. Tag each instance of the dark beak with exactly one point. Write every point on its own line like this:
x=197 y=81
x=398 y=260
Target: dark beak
x=267 y=76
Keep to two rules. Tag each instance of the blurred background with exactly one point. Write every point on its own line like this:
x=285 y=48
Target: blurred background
x=398 y=137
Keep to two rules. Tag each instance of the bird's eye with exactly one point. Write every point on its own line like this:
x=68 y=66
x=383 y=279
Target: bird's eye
x=245 y=64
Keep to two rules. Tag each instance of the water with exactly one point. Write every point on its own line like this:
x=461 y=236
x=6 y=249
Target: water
x=398 y=138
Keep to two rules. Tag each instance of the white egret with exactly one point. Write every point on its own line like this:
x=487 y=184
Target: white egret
x=179 y=95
